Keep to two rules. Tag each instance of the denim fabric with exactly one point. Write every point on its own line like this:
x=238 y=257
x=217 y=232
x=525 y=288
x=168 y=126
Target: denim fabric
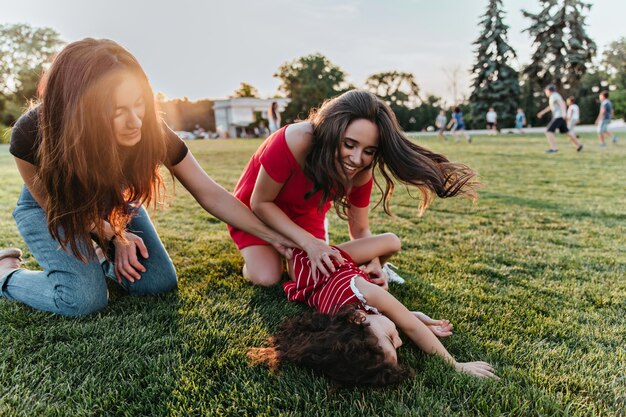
x=68 y=286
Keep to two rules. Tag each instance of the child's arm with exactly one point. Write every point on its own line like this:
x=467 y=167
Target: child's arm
x=415 y=329
x=440 y=328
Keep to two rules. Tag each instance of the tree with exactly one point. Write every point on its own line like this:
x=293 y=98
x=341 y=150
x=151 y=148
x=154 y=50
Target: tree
x=246 y=90
x=614 y=61
x=24 y=52
x=400 y=91
x=182 y=114
x=495 y=82
x=395 y=88
x=308 y=81
x=424 y=115
x=562 y=48
x=453 y=74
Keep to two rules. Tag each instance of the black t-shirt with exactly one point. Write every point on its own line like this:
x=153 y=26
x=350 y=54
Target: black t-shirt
x=26 y=138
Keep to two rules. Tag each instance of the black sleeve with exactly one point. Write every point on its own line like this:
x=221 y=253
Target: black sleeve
x=176 y=147
x=25 y=137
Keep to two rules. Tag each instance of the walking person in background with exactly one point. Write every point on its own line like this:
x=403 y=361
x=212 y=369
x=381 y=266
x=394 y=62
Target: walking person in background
x=556 y=105
x=273 y=115
x=457 y=124
x=604 y=118
x=492 y=121
x=520 y=120
x=573 y=114
x=440 y=123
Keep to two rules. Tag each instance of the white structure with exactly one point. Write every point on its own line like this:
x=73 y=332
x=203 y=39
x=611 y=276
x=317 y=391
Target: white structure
x=234 y=115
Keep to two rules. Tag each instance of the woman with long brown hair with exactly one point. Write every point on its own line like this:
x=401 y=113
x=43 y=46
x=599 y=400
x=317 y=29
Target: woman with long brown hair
x=292 y=179
x=89 y=155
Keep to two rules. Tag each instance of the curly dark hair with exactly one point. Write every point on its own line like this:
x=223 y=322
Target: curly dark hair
x=397 y=157
x=340 y=346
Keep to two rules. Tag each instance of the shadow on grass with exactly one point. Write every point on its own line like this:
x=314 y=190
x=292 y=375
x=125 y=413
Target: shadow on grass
x=121 y=361
x=561 y=209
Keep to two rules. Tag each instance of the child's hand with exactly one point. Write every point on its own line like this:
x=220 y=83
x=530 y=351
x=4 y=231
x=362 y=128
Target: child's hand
x=440 y=328
x=478 y=369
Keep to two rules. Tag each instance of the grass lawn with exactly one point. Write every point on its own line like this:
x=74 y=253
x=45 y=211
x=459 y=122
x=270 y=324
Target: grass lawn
x=533 y=276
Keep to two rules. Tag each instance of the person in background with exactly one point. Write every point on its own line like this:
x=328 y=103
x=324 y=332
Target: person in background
x=273 y=115
x=492 y=121
x=573 y=114
x=457 y=124
x=520 y=120
x=604 y=118
x=440 y=124
x=556 y=105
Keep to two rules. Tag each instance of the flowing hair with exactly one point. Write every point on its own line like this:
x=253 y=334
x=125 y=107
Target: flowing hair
x=340 y=346
x=397 y=158
x=86 y=177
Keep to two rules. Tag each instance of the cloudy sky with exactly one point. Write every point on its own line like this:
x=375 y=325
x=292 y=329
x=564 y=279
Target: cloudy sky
x=205 y=48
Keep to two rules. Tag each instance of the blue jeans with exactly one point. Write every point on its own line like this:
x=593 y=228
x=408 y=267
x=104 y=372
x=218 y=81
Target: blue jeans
x=69 y=286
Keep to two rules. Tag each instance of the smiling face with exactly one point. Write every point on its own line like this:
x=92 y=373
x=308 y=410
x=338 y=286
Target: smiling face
x=358 y=147
x=387 y=334
x=129 y=110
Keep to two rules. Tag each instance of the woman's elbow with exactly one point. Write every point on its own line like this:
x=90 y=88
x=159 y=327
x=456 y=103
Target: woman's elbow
x=257 y=207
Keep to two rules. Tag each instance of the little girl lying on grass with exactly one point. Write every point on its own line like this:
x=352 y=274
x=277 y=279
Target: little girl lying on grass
x=352 y=338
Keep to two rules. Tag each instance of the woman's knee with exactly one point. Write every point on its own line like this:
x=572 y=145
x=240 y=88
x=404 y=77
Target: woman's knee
x=80 y=301
x=150 y=285
x=263 y=265
x=265 y=277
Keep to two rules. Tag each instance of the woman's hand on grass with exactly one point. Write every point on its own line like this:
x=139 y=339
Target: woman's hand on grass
x=127 y=264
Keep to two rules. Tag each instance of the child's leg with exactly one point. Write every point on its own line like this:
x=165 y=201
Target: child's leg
x=572 y=138
x=380 y=246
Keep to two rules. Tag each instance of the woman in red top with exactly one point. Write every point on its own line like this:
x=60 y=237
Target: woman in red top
x=292 y=179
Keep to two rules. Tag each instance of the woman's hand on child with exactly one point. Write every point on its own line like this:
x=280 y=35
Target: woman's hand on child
x=127 y=264
x=478 y=369
x=321 y=257
x=440 y=328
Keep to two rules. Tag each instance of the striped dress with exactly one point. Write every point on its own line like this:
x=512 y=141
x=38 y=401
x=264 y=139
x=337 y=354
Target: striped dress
x=330 y=293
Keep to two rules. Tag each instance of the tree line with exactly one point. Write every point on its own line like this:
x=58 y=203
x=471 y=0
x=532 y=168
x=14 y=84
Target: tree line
x=563 y=54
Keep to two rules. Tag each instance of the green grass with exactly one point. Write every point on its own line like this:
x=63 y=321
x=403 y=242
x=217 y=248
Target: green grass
x=532 y=276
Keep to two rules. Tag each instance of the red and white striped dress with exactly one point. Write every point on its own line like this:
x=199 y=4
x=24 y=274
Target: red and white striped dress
x=330 y=293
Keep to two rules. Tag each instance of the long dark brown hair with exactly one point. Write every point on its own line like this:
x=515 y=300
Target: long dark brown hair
x=340 y=346
x=397 y=158
x=86 y=177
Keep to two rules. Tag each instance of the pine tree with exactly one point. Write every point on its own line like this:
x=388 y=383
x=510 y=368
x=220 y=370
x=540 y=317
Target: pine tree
x=495 y=82
x=563 y=50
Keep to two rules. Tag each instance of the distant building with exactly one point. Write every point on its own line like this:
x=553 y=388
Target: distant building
x=234 y=116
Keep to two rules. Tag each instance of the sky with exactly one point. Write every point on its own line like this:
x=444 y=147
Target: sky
x=205 y=49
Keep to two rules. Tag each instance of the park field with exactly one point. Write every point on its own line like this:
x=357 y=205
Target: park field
x=532 y=275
